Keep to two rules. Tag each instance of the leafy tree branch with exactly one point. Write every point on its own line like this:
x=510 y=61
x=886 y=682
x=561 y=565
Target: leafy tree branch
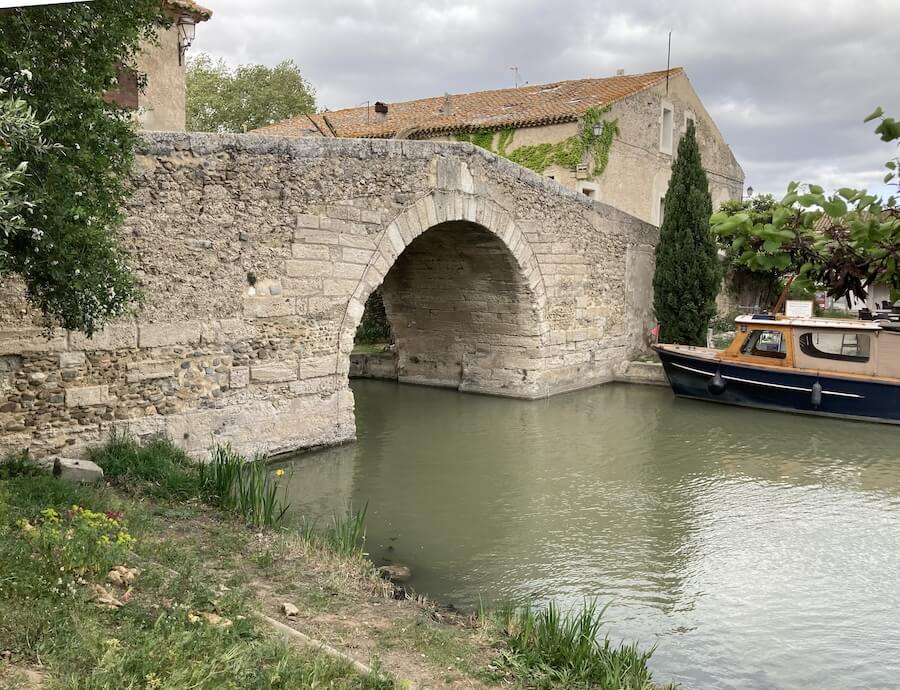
x=846 y=241
x=63 y=200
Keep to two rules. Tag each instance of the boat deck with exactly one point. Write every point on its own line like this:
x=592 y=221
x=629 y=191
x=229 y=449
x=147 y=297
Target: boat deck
x=695 y=351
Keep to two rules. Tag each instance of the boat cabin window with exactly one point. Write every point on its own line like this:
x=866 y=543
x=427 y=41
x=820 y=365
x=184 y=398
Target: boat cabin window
x=761 y=343
x=845 y=347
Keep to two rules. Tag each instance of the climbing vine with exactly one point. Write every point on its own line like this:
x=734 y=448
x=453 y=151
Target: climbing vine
x=568 y=153
x=480 y=137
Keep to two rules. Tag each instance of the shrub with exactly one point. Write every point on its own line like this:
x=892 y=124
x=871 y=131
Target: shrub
x=549 y=649
x=19 y=465
x=79 y=541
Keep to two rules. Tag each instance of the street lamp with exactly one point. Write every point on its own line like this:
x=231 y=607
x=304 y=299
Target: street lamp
x=187 y=29
x=749 y=192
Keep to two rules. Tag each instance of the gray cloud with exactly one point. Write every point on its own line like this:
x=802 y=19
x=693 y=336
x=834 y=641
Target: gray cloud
x=787 y=81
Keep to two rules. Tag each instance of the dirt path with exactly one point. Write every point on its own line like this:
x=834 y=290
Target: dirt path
x=342 y=603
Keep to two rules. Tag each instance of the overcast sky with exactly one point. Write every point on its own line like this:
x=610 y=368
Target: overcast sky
x=787 y=81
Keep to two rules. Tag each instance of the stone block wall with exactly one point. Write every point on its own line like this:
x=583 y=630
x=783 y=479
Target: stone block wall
x=256 y=256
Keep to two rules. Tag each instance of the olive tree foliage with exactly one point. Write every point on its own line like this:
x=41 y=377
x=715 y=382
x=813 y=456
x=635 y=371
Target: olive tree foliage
x=20 y=141
x=687 y=275
x=845 y=242
x=66 y=154
x=220 y=99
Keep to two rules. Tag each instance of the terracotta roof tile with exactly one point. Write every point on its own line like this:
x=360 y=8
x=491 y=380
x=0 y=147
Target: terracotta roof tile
x=192 y=8
x=526 y=106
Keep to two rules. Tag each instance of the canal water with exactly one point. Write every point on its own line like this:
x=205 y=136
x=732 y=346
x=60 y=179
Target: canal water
x=756 y=550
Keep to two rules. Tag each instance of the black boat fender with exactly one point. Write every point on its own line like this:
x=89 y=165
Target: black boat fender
x=716 y=384
x=816 y=395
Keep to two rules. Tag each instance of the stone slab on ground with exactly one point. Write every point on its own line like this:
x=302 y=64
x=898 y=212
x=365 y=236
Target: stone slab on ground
x=80 y=471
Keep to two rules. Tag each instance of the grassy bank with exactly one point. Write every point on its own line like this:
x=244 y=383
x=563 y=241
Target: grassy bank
x=75 y=613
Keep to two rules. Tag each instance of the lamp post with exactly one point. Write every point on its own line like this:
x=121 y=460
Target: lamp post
x=187 y=28
x=749 y=192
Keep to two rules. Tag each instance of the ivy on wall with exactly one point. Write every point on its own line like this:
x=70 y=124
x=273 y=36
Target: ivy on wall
x=568 y=153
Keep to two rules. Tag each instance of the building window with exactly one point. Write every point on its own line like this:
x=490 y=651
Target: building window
x=125 y=94
x=844 y=347
x=762 y=343
x=667 y=123
x=689 y=117
x=662 y=209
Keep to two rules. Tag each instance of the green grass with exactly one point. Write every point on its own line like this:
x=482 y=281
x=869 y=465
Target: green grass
x=549 y=649
x=444 y=646
x=159 y=469
x=157 y=639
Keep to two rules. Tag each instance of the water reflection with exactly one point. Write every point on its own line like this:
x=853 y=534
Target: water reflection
x=760 y=550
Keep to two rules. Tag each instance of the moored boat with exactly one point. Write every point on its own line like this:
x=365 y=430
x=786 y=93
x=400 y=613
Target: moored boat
x=831 y=367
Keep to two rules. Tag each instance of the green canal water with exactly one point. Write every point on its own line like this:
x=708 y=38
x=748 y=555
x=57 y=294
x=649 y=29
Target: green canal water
x=757 y=550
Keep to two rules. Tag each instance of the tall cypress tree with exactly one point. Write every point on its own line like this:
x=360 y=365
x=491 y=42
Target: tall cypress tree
x=687 y=266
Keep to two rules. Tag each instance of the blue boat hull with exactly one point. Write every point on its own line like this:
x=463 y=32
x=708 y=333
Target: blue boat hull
x=781 y=390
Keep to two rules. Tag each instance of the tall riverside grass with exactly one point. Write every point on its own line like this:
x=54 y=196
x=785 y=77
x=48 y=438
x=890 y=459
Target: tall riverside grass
x=548 y=649
x=345 y=535
x=242 y=486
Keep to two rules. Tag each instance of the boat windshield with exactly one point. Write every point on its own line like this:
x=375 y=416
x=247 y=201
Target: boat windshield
x=765 y=343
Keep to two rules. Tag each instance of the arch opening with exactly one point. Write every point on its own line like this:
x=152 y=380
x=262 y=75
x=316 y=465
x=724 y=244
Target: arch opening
x=461 y=314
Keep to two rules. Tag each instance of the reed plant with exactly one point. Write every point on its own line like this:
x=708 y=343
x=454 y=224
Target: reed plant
x=345 y=535
x=548 y=648
x=243 y=486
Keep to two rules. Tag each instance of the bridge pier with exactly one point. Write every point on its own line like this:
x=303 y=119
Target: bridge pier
x=256 y=256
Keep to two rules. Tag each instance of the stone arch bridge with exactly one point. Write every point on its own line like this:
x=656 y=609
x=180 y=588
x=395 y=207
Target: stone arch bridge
x=256 y=256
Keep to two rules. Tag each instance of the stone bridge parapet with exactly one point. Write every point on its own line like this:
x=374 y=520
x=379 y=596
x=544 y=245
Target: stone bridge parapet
x=256 y=256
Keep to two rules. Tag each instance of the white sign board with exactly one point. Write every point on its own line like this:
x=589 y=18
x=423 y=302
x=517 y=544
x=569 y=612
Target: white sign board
x=798 y=307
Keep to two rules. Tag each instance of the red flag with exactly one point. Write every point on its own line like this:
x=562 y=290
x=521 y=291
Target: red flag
x=655 y=331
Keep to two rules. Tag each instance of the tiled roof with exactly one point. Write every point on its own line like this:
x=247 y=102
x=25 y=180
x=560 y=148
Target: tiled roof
x=192 y=8
x=526 y=106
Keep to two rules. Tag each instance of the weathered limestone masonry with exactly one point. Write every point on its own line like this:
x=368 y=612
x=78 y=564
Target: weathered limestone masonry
x=256 y=256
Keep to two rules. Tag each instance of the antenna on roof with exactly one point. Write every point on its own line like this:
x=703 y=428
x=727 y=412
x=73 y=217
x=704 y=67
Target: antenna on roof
x=668 y=62
x=515 y=71
x=368 y=111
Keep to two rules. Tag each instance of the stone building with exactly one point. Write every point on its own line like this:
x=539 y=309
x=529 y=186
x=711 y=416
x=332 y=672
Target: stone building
x=559 y=130
x=161 y=105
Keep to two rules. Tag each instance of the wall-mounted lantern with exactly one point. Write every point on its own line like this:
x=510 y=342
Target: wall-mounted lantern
x=187 y=28
x=598 y=128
